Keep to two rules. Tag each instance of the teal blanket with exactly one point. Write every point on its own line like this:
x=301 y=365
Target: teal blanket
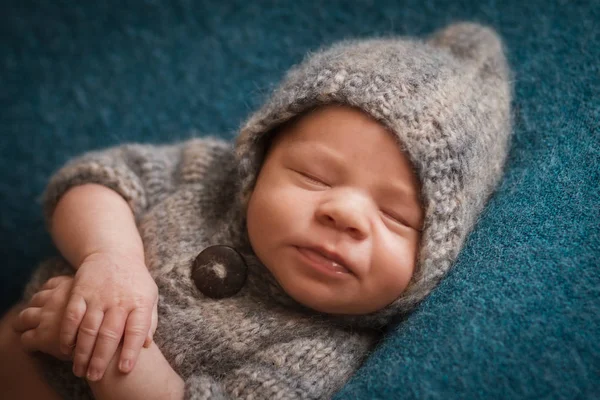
x=518 y=317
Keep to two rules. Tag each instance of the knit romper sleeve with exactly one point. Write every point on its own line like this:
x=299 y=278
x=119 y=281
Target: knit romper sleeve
x=142 y=174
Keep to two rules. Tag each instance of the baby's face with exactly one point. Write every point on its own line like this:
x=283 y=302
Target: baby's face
x=335 y=214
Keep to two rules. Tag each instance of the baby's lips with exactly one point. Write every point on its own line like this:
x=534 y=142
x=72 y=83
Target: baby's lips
x=321 y=259
x=334 y=256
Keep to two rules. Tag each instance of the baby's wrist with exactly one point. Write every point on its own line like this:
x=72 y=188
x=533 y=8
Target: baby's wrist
x=119 y=257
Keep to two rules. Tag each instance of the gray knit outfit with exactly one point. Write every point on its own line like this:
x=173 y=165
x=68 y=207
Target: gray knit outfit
x=447 y=101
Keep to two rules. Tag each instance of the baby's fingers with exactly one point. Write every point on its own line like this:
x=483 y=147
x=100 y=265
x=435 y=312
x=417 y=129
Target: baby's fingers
x=27 y=319
x=40 y=298
x=109 y=337
x=53 y=283
x=86 y=339
x=153 y=325
x=136 y=330
x=29 y=340
x=72 y=318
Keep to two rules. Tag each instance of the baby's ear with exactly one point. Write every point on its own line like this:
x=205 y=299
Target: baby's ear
x=471 y=41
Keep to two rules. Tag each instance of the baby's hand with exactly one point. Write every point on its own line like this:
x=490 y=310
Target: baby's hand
x=39 y=323
x=113 y=296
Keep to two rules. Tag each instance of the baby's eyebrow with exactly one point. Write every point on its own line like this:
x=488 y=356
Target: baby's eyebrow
x=325 y=154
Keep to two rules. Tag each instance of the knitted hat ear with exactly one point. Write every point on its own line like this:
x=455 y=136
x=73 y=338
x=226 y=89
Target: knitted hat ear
x=468 y=41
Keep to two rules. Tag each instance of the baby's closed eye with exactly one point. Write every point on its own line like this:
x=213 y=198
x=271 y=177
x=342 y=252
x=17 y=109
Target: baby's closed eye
x=312 y=178
x=394 y=217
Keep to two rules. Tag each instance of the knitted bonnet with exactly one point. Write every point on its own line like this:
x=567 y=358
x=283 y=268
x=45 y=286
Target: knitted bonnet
x=446 y=99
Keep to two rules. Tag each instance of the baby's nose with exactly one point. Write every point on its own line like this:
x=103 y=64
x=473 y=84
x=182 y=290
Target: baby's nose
x=346 y=212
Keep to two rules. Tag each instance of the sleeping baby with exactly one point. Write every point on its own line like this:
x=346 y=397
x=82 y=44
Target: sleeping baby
x=268 y=268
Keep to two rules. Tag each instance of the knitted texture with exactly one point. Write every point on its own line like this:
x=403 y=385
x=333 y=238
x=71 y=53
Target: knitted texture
x=447 y=100
x=257 y=344
x=516 y=318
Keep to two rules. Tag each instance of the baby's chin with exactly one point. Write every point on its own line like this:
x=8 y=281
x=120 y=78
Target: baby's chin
x=327 y=300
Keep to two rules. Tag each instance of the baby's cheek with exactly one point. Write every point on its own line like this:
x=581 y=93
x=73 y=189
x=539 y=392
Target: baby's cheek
x=271 y=208
x=395 y=266
x=293 y=200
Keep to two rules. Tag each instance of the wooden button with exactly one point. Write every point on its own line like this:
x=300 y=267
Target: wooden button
x=219 y=271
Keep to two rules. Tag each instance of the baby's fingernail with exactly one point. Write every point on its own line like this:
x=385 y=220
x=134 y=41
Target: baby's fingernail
x=93 y=375
x=124 y=365
x=78 y=371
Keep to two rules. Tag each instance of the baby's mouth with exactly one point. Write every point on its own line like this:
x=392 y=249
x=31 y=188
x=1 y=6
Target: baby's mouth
x=318 y=256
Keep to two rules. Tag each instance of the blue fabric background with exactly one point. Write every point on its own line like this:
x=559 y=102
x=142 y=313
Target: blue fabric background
x=519 y=316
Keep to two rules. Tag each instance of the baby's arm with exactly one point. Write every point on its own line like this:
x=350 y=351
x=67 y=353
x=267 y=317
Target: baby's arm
x=93 y=219
x=113 y=293
x=153 y=378
x=95 y=232
x=92 y=206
